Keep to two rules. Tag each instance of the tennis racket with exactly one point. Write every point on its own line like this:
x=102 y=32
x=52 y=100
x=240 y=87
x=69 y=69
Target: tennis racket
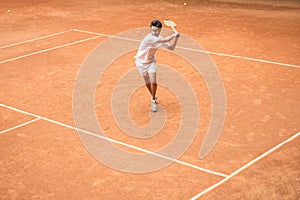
x=170 y=23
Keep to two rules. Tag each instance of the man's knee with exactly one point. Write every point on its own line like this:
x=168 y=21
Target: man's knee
x=152 y=77
x=146 y=78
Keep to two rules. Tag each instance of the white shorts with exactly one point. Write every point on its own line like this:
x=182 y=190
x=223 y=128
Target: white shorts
x=143 y=68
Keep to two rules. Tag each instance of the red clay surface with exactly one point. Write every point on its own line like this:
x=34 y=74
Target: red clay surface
x=43 y=160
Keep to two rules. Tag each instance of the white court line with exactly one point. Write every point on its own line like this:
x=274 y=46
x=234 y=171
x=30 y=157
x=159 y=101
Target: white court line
x=39 y=38
x=102 y=34
x=202 y=51
x=245 y=166
x=20 y=125
x=241 y=57
x=117 y=142
x=45 y=50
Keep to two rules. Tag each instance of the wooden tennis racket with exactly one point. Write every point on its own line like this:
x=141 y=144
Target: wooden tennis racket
x=170 y=23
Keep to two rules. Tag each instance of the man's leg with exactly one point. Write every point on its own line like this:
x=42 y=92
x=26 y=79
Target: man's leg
x=147 y=82
x=153 y=84
x=150 y=81
x=152 y=77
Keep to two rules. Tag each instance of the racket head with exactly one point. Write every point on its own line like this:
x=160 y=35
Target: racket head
x=169 y=22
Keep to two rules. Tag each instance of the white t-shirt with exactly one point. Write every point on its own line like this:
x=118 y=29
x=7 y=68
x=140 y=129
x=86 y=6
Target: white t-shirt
x=147 y=49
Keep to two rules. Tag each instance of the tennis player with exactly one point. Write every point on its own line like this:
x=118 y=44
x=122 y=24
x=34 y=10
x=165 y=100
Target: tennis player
x=145 y=59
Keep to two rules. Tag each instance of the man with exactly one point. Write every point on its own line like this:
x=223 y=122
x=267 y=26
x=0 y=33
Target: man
x=145 y=58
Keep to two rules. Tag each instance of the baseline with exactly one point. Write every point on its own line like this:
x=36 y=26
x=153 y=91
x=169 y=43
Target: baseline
x=202 y=51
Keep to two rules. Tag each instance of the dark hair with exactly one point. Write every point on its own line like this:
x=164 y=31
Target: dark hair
x=156 y=23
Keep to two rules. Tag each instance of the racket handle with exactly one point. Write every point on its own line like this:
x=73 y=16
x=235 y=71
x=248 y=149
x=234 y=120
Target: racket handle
x=173 y=28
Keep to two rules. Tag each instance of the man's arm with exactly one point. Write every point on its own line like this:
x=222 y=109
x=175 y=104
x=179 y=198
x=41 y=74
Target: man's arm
x=169 y=38
x=173 y=45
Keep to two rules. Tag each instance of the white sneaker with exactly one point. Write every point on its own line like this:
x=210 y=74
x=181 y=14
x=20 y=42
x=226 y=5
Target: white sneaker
x=153 y=106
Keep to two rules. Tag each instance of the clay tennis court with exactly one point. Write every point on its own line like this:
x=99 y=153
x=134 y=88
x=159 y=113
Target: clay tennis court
x=255 y=46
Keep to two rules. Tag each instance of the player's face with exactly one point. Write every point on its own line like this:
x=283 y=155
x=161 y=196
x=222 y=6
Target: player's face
x=155 y=31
